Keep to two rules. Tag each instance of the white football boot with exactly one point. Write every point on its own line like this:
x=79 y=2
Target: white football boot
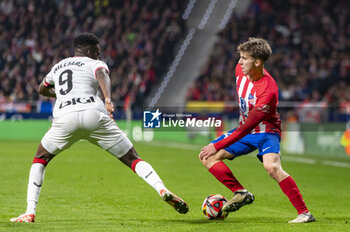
x=303 y=218
x=174 y=201
x=24 y=218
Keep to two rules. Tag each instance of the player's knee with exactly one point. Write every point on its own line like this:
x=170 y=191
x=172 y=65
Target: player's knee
x=43 y=154
x=211 y=160
x=129 y=157
x=206 y=162
x=272 y=169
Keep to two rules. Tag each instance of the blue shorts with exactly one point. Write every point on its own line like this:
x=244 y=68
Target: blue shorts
x=264 y=142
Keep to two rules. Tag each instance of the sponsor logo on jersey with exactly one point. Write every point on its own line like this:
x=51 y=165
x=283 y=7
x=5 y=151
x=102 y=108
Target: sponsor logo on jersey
x=251 y=99
x=77 y=100
x=265 y=109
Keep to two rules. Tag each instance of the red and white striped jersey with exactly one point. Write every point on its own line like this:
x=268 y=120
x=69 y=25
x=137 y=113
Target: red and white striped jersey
x=258 y=102
x=262 y=94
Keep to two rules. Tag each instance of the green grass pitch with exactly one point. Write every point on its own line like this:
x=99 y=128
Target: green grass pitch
x=86 y=189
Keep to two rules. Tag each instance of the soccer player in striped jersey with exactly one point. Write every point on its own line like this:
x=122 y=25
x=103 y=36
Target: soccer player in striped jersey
x=259 y=128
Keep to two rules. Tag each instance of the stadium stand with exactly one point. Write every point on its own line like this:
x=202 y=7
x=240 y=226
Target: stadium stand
x=311 y=61
x=138 y=39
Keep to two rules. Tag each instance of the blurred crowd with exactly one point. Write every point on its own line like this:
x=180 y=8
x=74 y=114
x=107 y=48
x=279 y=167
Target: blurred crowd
x=137 y=37
x=311 y=51
x=310 y=42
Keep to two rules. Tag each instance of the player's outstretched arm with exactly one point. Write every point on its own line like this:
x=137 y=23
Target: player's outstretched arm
x=254 y=118
x=105 y=85
x=47 y=90
x=257 y=114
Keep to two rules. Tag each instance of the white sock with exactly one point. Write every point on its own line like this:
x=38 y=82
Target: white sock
x=36 y=177
x=148 y=174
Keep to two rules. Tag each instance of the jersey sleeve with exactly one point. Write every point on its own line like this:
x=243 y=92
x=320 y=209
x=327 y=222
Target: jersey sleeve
x=262 y=110
x=267 y=103
x=98 y=65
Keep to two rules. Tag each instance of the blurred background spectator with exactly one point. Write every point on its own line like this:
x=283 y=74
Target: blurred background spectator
x=311 y=51
x=310 y=41
x=137 y=39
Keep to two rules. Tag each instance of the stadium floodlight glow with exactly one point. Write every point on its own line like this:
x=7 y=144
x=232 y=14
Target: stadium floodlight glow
x=207 y=14
x=173 y=66
x=188 y=9
x=228 y=14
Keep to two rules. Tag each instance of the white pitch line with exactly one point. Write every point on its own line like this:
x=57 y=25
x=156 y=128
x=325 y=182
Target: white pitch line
x=194 y=147
x=299 y=159
x=184 y=146
x=335 y=163
x=313 y=161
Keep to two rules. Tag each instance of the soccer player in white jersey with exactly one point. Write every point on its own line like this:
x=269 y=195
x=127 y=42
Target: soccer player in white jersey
x=80 y=114
x=259 y=128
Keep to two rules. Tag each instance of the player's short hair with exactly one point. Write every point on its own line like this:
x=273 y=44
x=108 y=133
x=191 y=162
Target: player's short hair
x=85 y=40
x=257 y=48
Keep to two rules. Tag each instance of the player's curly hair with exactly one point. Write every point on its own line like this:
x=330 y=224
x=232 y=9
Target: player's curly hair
x=257 y=48
x=85 y=40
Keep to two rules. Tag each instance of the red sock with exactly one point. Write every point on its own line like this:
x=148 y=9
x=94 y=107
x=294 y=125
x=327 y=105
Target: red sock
x=225 y=176
x=290 y=188
x=133 y=165
x=38 y=160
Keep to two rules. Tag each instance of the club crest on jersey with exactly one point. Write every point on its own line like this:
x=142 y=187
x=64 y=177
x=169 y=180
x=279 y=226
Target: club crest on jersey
x=243 y=106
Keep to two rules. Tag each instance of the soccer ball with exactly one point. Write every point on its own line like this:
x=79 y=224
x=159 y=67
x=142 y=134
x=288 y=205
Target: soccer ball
x=212 y=206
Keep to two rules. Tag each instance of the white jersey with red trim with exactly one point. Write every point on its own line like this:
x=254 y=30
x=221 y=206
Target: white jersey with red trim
x=262 y=94
x=75 y=84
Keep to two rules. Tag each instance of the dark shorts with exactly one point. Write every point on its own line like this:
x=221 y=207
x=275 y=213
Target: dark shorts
x=264 y=142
